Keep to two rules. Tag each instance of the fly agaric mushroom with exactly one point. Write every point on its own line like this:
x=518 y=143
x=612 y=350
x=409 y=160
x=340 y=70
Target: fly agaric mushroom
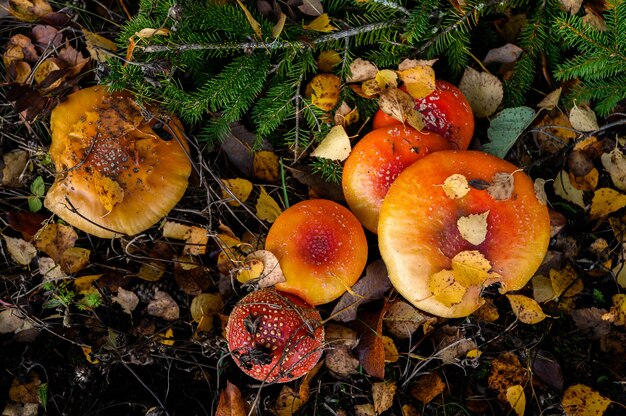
x=274 y=336
x=456 y=222
x=445 y=111
x=321 y=248
x=376 y=161
x=115 y=175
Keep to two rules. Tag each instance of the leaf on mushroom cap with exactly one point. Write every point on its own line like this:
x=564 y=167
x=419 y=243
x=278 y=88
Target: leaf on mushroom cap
x=110 y=164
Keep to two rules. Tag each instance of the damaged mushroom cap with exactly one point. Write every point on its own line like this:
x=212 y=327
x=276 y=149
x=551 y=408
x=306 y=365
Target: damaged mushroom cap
x=321 y=248
x=420 y=237
x=115 y=175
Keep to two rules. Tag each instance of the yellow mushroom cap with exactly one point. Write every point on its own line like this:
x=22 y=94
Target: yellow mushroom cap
x=115 y=175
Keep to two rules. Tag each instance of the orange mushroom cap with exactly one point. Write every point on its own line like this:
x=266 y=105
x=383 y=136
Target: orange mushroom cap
x=376 y=161
x=419 y=232
x=321 y=248
x=115 y=175
x=446 y=111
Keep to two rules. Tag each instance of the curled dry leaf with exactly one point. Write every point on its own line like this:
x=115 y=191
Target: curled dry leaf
x=583 y=400
x=346 y=116
x=383 y=394
x=335 y=146
x=163 y=306
x=22 y=252
x=483 y=91
x=364 y=410
x=127 y=299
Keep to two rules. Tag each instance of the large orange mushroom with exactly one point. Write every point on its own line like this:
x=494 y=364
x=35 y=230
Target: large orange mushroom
x=115 y=175
x=321 y=248
x=456 y=222
x=376 y=161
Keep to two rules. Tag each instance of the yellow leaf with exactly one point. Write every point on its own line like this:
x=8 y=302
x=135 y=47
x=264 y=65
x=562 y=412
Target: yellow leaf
x=566 y=279
x=456 y=186
x=204 y=307
x=606 y=201
x=473 y=227
x=396 y=103
x=151 y=271
x=589 y=182
x=109 y=191
x=471 y=268
x=335 y=146
x=371 y=88
x=29 y=11
x=617 y=314
x=563 y=188
x=196 y=242
x=327 y=60
x=267 y=208
x=580 y=400
x=324 y=91
x=289 y=401
x=45 y=68
x=391 y=351
x=542 y=289
x=265 y=166
x=53 y=239
x=279 y=26
x=253 y=23
x=382 y=395
x=166 y=338
x=74 y=259
x=526 y=309
x=475 y=353
x=445 y=288
x=84 y=284
x=98 y=46
x=517 y=399
x=408 y=410
x=176 y=230
x=251 y=269
x=240 y=189
x=89 y=355
x=386 y=78
x=320 y=24
x=149 y=32
x=419 y=80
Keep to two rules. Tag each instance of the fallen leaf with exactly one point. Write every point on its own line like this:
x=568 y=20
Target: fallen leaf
x=583 y=119
x=53 y=239
x=588 y=182
x=361 y=70
x=565 y=282
x=594 y=19
x=452 y=345
x=590 y=322
x=540 y=191
x=506 y=54
x=256 y=27
x=26 y=391
x=335 y=146
x=14 y=166
x=548 y=370
x=98 y=46
x=445 y=288
x=483 y=91
x=240 y=190
x=408 y=410
x=29 y=11
x=411 y=63
x=16 y=409
x=147 y=32
x=581 y=400
x=265 y=166
x=336 y=334
x=506 y=127
x=364 y=410
x=346 y=116
x=74 y=259
x=383 y=394
x=163 y=306
x=176 y=230
x=50 y=270
x=22 y=252
x=542 y=289
x=279 y=26
x=571 y=6
x=267 y=208
x=324 y=91
x=506 y=371
x=370 y=287
x=606 y=201
x=391 y=351
x=127 y=299
x=418 y=80
x=386 y=78
x=401 y=106
x=371 y=350
x=526 y=309
x=271 y=272
x=473 y=227
x=551 y=100
x=563 y=188
x=289 y=401
x=231 y=402
x=328 y=60
x=554 y=132
x=204 y=307
x=196 y=242
x=502 y=186
x=238 y=145
x=320 y=24
x=13 y=321
x=617 y=314
x=487 y=312
x=341 y=362
x=427 y=387
x=311 y=7
x=456 y=186
x=402 y=319
x=109 y=191
x=517 y=399
x=615 y=163
x=250 y=270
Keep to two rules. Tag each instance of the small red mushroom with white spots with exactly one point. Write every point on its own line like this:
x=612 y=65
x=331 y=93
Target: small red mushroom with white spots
x=275 y=337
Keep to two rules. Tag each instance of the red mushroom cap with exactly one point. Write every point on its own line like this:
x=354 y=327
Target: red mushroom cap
x=275 y=337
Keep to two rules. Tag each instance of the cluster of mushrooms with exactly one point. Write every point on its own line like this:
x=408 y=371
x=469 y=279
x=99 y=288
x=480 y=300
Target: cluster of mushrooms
x=443 y=234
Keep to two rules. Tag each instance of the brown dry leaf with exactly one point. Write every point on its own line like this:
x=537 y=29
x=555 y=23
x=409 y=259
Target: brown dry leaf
x=127 y=299
x=551 y=100
x=341 y=362
x=239 y=188
x=22 y=252
x=617 y=314
x=456 y=186
x=502 y=186
x=53 y=239
x=483 y=91
x=383 y=394
x=204 y=307
x=427 y=387
x=371 y=350
x=590 y=322
x=506 y=54
x=401 y=106
x=29 y=11
x=594 y=19
x=370 y=287
x=391 y=351
x=558 y=132
x=346 y=116
x=14 y=164
x=50 y=270
x=615 y=163
x=311 y=7
x=540 y=191
x=526 y=309
x=583 y=118
x=336 y=334
x=13 y=321
x=320 y=24
x=488 y=312
x=267 y=208
x=606 y=201
x=517 y=399
x=231 y=402
x=408 y=410
x=335 y=146
x=146 y=33
x=581 y=400
x=566 y=282
x=588 y=182
x=151 y=271
x=74 y=259
x=419 y=80
x=27 y=409
x=27 y=391
x=563 y=188
x=506 y=371
x=265 y=166
x=453 y=345
x=324 y=91
x=364 y=410
x=289 y=401
x=163 y=306
x=98 y=46
x=191 y=276
x=473 y=227
x=327 y=60
x=238 y=145
x=571 y=6
x=361 y=70
x=403 y=319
